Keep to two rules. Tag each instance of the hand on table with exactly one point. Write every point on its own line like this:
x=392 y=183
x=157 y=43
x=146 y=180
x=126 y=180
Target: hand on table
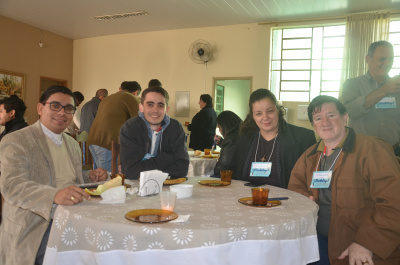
x=99 y=174
x=70 y=196
x=358 y=255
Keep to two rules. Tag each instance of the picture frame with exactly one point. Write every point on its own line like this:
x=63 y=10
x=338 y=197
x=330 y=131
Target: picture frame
x=12 y=83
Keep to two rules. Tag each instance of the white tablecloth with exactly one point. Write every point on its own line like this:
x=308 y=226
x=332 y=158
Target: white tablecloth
x=220 y=231
x=201 y=166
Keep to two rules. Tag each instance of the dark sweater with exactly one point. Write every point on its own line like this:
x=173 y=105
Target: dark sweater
x=203 y=129
x=135 y=142
x=13 y=125
x=293 y=141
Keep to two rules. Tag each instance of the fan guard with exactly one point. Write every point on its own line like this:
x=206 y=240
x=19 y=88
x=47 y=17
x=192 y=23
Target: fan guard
x=200 y=51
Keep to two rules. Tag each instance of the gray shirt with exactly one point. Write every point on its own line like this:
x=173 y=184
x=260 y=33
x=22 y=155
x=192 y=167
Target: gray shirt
x=382 y=123
x=88 y=113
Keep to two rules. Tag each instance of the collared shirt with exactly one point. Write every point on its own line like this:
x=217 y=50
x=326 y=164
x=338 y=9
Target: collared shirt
x=382 y=123
x=56 y=138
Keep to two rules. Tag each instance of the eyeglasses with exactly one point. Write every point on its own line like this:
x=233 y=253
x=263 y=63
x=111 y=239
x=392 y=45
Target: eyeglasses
x=56 y=106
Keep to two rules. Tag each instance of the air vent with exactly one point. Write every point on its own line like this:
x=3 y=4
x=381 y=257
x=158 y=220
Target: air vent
x=116 y=16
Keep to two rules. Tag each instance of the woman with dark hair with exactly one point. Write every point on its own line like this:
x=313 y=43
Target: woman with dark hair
x=268 y=147
x=228 y=124
x=203 y=125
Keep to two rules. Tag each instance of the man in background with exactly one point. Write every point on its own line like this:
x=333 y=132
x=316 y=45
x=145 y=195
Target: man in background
x=40 y=167
x=155 y=83
x=89 y=110
x=74 y=127
x=153 y=140
x=113 y=112
x=373 y=100
x=12 y=110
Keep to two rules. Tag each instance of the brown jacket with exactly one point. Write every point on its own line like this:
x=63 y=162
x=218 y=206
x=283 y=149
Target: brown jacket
x=113 y=112
x=28 y=185
x=365 y=205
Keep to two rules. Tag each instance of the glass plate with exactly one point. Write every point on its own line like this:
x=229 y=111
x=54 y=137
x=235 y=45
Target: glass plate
x=150 y=216
x=249 y=202
x=214 y=183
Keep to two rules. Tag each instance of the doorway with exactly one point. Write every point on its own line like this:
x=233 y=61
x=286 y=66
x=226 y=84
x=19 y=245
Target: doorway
x=232 y=93
x=46 y=82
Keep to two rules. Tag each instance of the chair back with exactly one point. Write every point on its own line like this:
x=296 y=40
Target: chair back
x=87 y=159
x=115 y=159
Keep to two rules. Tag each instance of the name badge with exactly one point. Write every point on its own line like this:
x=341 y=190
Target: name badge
x=321 y=179
x=260 y=169
x=386 y=103
x=147 y=156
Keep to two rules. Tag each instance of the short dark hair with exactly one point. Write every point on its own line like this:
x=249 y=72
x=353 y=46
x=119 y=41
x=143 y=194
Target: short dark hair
x=229 y=122
x=316 y=104
x=155 y=89
x=372 y=47
x=249 y=126
x=102 y=92
x=206 y=98
x=131 y=86
x=78 y=96
x=155 y=82
x=53 y=90
x=14 y=103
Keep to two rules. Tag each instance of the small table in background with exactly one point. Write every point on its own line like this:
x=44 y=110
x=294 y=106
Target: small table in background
x=201 y=166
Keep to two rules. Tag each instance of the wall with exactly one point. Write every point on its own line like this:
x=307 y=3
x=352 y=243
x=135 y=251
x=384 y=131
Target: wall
x=20 y=52
x=240 y=50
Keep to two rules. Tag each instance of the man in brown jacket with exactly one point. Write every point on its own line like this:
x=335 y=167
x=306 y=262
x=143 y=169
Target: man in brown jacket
x=355 y=179
x=113 y=112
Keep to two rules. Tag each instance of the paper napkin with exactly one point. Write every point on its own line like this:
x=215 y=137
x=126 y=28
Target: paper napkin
x=151 y=182
x=114 y=195
x=181 y=219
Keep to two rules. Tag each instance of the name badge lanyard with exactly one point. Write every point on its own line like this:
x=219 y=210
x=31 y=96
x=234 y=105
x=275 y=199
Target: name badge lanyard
x=322 y=179
x=262 y=169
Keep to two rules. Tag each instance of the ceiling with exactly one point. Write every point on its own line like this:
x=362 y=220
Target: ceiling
x=73 y=18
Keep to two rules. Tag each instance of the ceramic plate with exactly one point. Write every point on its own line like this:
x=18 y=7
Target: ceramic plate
x=249 y=202
x=174 y=181
x=150 y=216
x=215 y=183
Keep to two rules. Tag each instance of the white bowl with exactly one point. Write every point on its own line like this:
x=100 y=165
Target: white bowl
x=182 y=190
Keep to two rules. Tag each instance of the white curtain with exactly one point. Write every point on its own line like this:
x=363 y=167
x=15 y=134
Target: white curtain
x=361 y=31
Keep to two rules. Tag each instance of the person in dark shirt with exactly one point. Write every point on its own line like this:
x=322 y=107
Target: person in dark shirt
x=203 y=125
x=12 y=110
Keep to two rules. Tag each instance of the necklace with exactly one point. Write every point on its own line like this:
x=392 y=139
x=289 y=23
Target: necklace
x=264 y=159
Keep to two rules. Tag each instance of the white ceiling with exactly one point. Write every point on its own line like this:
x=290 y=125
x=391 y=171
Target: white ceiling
x=72 y=18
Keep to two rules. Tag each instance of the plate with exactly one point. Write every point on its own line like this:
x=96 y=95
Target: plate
x=215 y=183
x=209 y=156
x=150 y=216
x=249 y=202
x=174 y=181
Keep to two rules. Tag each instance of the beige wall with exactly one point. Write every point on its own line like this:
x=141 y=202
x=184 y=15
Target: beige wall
x=20 y=52
x=240 y=50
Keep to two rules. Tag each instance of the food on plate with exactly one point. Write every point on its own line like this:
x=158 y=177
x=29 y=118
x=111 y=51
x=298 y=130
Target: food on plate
x=115 y=182
x=215 y=152
x=197 y=153
x=174 y=181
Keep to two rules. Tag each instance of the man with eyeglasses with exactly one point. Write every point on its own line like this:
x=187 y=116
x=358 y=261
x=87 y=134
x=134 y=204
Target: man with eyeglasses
x=40 y=167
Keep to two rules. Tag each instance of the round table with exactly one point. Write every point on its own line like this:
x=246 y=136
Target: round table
x=220 y=230
x=199 y=166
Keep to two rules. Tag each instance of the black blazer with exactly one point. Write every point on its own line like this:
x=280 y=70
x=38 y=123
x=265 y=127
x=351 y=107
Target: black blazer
x=292 y=142
x=228 y=146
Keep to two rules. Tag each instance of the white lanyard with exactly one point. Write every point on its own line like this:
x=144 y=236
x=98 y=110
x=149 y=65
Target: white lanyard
x=273 y=146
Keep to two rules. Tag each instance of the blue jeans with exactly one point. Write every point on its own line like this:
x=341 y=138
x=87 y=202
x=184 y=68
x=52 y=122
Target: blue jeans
x=101 y=157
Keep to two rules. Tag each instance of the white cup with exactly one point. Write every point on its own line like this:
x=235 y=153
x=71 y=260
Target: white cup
x=168 y=199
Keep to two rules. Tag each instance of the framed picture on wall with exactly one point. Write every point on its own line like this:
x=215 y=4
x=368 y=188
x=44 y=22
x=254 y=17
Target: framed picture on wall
x=219 y=99
x=12 y=83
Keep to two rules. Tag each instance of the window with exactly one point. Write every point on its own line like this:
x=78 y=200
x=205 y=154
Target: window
x=307 y=62
x=394 y=38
